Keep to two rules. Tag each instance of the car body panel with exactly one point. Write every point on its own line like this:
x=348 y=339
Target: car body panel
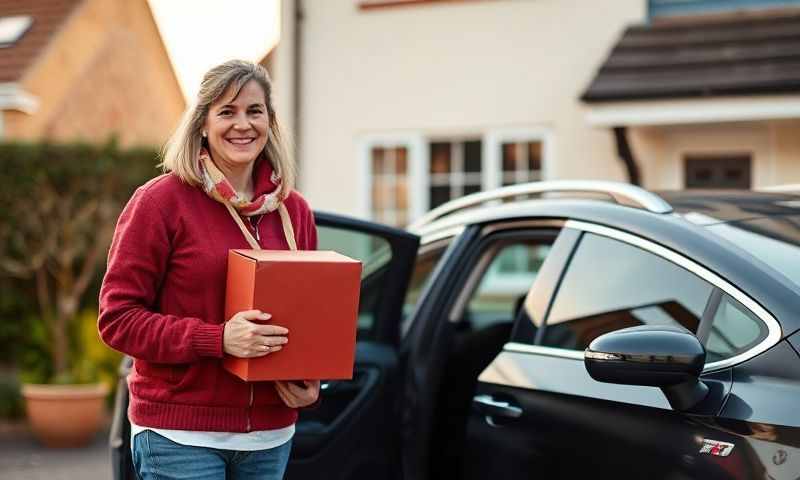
x=766 y=388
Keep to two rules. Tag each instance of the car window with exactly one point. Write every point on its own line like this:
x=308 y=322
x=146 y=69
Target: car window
x=375 y=254
x=504 y=284
x=733 y=330
x=772 y=240
x=611 y=285
x=420 y=278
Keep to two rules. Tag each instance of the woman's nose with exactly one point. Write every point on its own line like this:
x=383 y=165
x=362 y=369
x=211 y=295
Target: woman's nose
x=241 y=123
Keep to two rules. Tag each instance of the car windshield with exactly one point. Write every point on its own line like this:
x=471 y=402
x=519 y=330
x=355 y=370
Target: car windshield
x=773 y=240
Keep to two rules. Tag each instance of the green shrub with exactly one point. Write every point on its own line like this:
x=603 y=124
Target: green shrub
x=10 y=399
x=60 y=205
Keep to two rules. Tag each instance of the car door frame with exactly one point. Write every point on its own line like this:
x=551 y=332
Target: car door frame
x=428 y=340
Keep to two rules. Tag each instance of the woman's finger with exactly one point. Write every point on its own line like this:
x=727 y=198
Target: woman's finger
x=270 y=330
x=296 y=389
x=272 y=340
x=257 y=351
x=285 y=396
x=253 y=315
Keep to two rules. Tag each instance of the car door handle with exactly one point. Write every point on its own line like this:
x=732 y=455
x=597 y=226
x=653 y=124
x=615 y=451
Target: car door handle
x=490 y=407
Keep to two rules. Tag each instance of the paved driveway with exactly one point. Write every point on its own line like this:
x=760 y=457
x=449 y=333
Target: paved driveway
x=22 y=458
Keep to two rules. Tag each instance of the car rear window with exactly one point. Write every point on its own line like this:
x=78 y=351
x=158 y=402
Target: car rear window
x=773 y=240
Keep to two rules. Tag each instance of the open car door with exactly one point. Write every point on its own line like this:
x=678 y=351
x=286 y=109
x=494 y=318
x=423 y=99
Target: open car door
x=354 y=433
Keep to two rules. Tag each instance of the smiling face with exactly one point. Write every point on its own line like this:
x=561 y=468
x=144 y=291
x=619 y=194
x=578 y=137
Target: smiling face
x=238 y=128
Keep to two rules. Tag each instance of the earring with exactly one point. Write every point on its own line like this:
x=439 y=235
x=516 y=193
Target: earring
x=205 y=134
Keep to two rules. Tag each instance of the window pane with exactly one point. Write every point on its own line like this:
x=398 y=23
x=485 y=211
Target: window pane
x=401 y=219
x=468 y=189
x=733 y=331
x=440 y=157
x=439 y=195
x=718 y=171
x=389 y=184
x=380 y=194
x=472 y=156
x=401 y=160
x=375 y=254
x=611 y=285
x=509 y=157
x=420 y=278
x=401 y=194
x=378 y=163
x=534 y=156
x=503 y=289
x=773 y=240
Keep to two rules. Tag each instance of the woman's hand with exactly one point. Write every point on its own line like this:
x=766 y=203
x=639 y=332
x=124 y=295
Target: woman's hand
x=245 y=339
x=297 y=396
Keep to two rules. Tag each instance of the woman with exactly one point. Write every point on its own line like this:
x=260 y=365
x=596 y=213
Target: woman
x=229 y=185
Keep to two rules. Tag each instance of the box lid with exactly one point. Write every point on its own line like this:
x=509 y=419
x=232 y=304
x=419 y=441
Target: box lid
x=295 y=256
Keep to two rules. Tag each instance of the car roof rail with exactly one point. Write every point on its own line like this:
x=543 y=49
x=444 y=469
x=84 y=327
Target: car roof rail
x=787 y=188
x=622 y=193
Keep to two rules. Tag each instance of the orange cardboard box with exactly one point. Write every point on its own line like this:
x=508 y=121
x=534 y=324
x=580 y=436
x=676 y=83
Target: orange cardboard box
x=312 y=293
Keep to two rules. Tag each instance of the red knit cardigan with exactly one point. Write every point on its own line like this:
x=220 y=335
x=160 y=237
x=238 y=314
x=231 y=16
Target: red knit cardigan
x=162 y=302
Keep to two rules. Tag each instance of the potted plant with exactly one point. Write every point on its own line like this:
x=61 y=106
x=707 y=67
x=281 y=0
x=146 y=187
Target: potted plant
x=60 y=207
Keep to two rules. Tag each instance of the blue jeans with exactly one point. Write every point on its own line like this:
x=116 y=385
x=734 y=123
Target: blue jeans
x=158 y=458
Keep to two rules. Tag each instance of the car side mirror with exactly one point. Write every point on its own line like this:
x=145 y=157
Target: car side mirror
x=658 y=356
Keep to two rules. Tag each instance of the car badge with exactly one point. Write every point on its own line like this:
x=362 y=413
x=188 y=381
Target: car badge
x=716 y=448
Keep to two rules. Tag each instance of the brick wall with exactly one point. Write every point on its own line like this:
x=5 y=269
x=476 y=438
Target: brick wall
x=105 y=73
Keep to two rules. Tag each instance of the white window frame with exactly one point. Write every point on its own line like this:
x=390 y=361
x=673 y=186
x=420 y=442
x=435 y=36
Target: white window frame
x=493 y=142
x=417 y=143
x=457 y=176
x=417 y=167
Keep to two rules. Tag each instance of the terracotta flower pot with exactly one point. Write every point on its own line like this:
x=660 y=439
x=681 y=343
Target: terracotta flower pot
x=65 y=415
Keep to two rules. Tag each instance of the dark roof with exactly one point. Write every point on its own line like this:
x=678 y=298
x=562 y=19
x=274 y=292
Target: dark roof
x=738 y=55
x=48 y=16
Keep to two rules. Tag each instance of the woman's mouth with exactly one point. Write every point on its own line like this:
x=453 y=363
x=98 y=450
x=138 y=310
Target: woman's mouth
x=241 y=141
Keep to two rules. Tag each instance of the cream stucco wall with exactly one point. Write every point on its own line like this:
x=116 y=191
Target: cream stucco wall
x=773 y=144
x=785 y=138
x=451 y=69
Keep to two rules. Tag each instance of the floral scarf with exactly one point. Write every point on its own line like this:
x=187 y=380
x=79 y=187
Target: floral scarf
x=220 y=189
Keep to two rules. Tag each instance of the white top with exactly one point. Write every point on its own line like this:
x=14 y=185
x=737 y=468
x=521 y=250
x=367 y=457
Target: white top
x=250 y=441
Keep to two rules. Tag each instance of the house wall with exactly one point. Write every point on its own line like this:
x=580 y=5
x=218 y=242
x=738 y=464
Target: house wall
x=785 y=136
x=451 y=69
x=774 y=147
x=105 y=73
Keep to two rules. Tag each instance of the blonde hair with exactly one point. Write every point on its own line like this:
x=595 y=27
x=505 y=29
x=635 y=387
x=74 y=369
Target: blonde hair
x=182 y=149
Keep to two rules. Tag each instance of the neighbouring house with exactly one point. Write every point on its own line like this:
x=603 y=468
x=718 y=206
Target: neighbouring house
x=400 y=105
x=707 y=93
x=85 y=70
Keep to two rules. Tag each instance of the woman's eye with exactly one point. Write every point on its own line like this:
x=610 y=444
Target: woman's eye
x=224 y=113
x=256 y=112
